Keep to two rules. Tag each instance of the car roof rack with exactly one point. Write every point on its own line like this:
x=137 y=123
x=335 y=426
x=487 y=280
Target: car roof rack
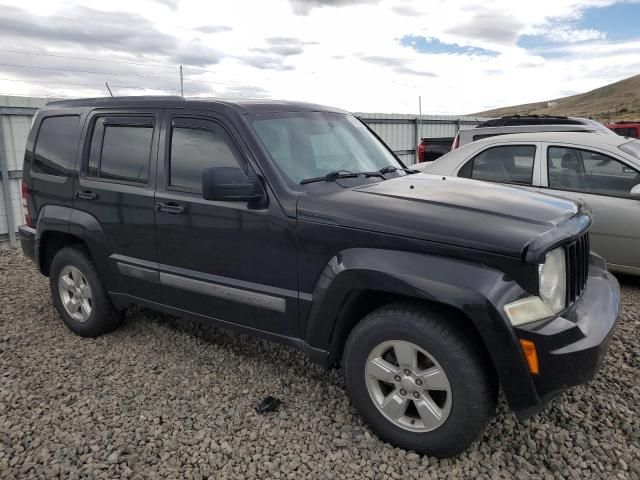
x=512 y=120
x=126 y=98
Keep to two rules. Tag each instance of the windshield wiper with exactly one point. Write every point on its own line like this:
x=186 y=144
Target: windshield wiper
x=338 y=174
x=391 y=169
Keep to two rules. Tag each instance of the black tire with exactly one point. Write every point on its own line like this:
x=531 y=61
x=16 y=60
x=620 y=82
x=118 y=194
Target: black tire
x=103 y=317
x=472 y=381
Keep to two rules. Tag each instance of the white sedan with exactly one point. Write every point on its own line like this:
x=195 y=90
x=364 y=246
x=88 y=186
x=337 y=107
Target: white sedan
x=601 y=170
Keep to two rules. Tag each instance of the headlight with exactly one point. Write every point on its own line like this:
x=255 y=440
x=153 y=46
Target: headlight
x=552 y=292
x=553 y=280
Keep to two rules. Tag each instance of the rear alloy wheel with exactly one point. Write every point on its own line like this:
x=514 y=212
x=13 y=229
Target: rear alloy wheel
x=408 y=386
x=75 y=293
x=78 y=294
x=420 y=379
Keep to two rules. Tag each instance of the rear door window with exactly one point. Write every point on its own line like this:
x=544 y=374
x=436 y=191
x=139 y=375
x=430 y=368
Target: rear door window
x=121 y=150
x=56 y=146
x=504 y=163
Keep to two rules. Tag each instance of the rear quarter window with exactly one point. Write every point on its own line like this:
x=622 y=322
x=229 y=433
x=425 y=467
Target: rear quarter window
x=56 y=146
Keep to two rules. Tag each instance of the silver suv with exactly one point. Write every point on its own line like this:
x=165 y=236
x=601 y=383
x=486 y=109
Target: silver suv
x=527 y=124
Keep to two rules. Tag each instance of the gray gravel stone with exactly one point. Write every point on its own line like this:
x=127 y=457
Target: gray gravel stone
x=166 y=398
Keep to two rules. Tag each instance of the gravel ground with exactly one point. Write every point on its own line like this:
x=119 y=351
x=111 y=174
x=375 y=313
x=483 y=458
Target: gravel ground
x=166 y=398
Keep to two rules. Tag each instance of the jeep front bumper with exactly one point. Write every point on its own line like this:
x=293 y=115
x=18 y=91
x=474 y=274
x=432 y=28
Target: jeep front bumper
x=571 y=347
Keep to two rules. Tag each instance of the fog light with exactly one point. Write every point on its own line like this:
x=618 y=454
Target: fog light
x=530 y=355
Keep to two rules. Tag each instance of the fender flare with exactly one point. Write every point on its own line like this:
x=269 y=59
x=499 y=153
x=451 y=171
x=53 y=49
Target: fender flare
x=476 y=290
x=54 y=218
x=51 y=218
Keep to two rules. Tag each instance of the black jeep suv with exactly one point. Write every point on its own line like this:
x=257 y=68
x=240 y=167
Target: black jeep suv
x=295 y=222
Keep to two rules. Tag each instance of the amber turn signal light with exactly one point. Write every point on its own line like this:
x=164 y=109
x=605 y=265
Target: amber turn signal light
x=530 y=354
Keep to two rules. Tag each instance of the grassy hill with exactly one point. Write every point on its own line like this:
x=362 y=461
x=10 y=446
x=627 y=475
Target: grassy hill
x=617 y=101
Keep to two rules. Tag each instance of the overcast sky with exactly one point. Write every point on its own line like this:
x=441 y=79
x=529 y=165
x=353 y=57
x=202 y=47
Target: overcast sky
x=361 y=55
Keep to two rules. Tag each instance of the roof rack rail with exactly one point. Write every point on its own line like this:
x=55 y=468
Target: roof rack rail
x=515 y=120
x=534 y=115
x=131 y=98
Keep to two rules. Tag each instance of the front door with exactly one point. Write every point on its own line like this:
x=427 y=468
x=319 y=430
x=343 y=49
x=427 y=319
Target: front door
x=220 y=259
x=604 y=184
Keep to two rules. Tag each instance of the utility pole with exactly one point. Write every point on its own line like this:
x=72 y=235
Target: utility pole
x=181 y=83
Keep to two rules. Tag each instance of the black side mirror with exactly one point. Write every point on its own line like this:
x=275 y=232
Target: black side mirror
x=230 y=184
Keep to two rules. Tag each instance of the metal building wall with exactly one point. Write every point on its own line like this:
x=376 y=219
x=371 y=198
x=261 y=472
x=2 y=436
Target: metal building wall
x=403 y=132
x=15 y=120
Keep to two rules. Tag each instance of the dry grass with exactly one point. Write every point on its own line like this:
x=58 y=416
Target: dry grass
x=615 y=102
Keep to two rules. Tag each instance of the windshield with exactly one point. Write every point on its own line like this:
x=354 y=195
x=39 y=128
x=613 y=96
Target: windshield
x=632 y=148
x=307 y=145
x=600 y=127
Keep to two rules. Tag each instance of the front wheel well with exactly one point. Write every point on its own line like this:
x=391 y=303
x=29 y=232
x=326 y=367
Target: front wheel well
x=360 y=303
x=51 y=243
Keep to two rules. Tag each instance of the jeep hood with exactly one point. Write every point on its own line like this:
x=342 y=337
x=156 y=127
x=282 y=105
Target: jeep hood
x=467 y=213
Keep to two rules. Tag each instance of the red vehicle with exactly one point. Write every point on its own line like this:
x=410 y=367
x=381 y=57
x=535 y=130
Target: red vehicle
x=626 y=129
x=430 y=149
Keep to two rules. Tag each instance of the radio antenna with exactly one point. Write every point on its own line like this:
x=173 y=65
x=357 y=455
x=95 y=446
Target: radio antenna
x=181 y=83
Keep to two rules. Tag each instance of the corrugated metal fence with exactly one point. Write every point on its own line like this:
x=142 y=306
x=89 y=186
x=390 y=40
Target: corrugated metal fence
x=403 y=132
x=400 y=132
x=15 y=120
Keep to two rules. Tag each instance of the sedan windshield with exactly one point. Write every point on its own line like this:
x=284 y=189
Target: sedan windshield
x=632 y=148
x=309 y=145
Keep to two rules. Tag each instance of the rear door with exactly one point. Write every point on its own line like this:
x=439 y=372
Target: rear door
x=116 y=187
x=604 y=183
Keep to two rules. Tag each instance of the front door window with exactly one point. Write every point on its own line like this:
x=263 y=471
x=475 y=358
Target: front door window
x=585 y=171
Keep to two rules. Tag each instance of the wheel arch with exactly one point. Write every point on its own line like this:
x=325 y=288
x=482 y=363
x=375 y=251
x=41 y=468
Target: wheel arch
x=357 y=281
x=51 y=242
x=360 y=303
x=60 y=227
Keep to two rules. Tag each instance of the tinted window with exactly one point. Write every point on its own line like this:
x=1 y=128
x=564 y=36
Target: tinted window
x=125 y=153
x=56 y=146
x=485 y=135
x=627 y=132
x=591 y=172
x=508 y=164
x=120 y=152
x=193 y=150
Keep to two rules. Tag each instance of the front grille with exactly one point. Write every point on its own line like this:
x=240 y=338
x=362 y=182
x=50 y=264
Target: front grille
x=577 y=253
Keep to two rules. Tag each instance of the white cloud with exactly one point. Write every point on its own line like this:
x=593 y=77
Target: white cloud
x=566 y=34
x=345 y=53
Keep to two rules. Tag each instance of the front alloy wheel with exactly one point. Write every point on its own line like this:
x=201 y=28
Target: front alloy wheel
x=420 y=378
x=408 y=385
